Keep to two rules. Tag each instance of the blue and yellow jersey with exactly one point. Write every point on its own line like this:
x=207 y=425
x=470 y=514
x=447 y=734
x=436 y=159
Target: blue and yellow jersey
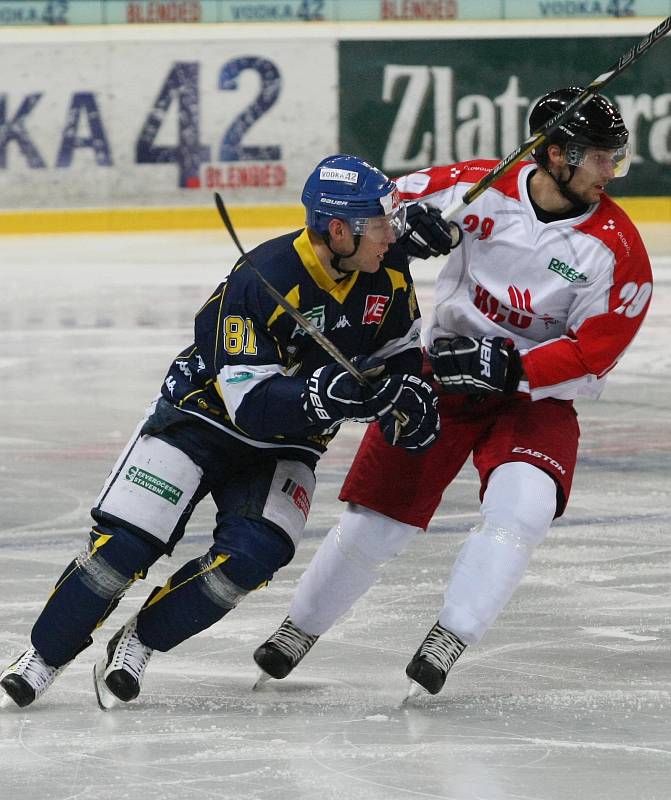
x=247 y=368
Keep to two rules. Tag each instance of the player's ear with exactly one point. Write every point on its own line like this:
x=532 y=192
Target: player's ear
x=555 y=155
x=338 y=229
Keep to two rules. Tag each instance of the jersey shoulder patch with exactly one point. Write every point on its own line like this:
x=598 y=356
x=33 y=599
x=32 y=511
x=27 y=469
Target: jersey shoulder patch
x=611 y=225
x=436 y=179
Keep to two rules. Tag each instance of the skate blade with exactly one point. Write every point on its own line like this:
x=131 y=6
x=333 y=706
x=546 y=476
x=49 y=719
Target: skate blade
x=106 y=700
x=5 y=700
x=261 y=681
x=414 y=691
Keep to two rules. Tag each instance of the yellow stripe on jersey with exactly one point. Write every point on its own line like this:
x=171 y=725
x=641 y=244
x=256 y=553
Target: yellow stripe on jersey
x=397 y=279
x=337 y=289
x=293 y=297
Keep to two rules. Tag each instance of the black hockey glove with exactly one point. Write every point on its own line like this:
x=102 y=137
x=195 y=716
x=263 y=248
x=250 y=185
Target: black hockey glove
x=333 y=395
x=427 y=233
x=420 y=403
x=465 y=365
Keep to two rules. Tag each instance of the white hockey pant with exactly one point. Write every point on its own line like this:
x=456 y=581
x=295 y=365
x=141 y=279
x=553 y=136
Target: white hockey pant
x=517 y=509
x=345 y=566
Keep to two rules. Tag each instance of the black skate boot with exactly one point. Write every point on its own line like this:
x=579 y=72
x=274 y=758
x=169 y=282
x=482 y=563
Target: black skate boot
x=118 y=675
x=279 y=654
x=434 y=659
x=28 y=677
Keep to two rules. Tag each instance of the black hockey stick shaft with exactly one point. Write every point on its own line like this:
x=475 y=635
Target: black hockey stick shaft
x=541 y=135
x=295 y=314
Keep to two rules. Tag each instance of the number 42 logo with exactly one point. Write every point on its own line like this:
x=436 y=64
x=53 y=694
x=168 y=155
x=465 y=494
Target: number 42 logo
x=182 y=86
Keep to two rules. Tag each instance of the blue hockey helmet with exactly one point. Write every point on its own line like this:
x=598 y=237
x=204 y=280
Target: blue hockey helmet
x=348 y=188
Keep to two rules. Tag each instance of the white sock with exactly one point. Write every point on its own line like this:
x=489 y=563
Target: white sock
x=518 y=508
x=345 y=566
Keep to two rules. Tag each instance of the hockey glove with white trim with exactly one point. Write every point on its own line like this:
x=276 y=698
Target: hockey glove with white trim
x=427 y=233
x=420 y=403
x=333 y=395
x=466 y=365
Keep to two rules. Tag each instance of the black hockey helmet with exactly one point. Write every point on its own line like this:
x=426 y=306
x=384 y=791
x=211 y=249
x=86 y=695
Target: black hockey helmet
x=597 y=124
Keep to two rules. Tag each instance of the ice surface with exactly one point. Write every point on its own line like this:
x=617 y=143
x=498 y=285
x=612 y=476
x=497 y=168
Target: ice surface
x=569 y=695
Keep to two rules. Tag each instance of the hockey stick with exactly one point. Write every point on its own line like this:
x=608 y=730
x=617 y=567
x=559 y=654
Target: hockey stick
x=542 y=134
x=401 y=418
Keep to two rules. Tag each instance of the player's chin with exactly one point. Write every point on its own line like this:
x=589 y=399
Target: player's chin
x=599 y=189
x=373 y=264
x=593 y=195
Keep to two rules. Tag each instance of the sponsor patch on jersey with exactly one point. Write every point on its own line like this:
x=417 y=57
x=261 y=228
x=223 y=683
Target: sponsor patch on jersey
x=317 y=316
x=152 y=483
x=535 y=454
x=344 y=175
x=298 y=496
x=239 y=377
x=566 y=272
x=374 y=311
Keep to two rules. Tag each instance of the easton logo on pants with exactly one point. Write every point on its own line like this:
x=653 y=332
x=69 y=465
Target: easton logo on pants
x=154 y=484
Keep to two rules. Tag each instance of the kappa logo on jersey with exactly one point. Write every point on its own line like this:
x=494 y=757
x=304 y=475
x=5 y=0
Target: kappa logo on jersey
x=298 y=496
x=316 y=316
x=343 y=322
x=563 y=269
x=535 y=454
x=374 y=311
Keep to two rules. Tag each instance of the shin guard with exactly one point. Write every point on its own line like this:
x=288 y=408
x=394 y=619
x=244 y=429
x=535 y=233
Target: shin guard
x=88 y=591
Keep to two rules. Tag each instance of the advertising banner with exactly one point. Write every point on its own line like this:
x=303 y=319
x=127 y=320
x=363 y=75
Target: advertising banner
x=408 y=105
x=161 y=123
x=137 y=12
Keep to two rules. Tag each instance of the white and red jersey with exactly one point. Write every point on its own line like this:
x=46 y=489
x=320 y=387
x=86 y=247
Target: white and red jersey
x=571 y=293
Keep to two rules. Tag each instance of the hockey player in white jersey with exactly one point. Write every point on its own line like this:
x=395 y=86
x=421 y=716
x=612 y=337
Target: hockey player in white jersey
x=533 y=309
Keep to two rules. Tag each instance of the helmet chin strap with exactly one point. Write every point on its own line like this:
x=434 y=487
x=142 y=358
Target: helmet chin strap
x=337 y=257
x=563 y=187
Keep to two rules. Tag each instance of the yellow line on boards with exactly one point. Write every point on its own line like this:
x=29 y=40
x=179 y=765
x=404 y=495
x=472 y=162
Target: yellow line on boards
x=34 y=221
x=146 y=219
x=646 y=209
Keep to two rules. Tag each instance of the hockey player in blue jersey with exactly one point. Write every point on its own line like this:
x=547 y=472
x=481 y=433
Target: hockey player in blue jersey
x=243 y=415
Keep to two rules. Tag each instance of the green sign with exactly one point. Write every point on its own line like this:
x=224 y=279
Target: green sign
x=153 y=483
x=405 y=105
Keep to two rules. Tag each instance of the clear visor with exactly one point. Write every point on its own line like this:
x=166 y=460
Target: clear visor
x=380 y=229
x=605 y=164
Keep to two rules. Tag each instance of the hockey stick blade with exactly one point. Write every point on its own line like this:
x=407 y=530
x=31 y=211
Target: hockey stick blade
x=541 y=135
x=296 y=315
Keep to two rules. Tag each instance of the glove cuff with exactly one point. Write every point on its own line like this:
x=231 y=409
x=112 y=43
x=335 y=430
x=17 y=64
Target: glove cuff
x=514 y=371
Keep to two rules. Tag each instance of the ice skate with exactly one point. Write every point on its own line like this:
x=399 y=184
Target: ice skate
x=118 y=675
x=280 y=653
x=429 y=666
x=27 y=678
